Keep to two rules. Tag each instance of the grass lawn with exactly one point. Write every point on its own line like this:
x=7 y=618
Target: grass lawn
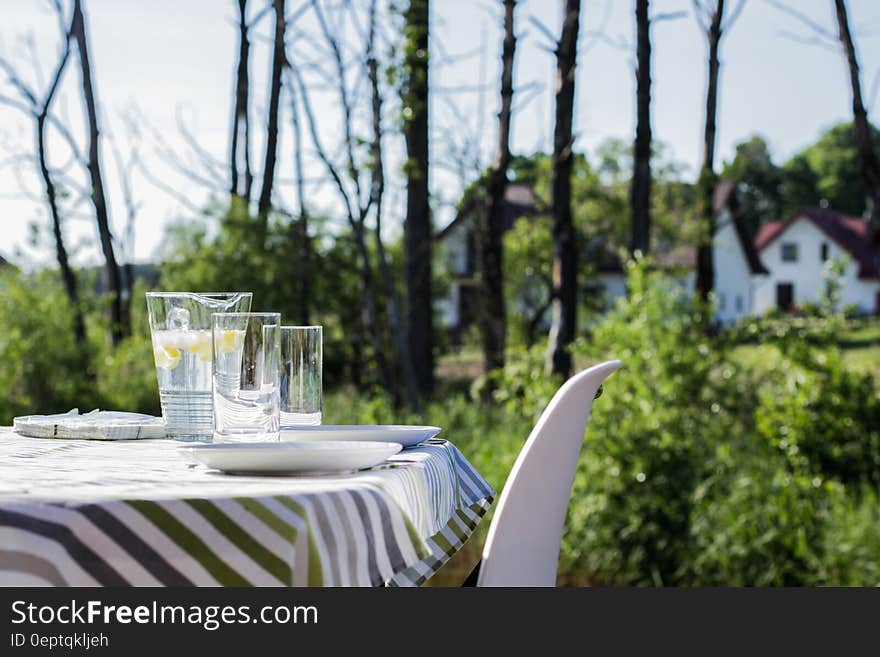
x=860 y=344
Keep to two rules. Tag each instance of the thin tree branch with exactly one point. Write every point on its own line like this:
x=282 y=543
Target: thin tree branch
x=803 y=19
x=162 y=186
x=343 y=98
x=546 y=31
x=734 y=15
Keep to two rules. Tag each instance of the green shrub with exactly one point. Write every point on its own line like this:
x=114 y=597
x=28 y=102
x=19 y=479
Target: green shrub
x=127 y=377
x=42 y=368
x=851 y=310
x=522 y=387
x=827 y=417
x=851 y=545
x=754 y=522
x=650 y=436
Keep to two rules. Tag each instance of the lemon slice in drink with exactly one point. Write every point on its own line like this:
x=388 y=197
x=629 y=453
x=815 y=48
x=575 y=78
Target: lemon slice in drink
x=229 y=340
x=202 y=348
x=167 y=358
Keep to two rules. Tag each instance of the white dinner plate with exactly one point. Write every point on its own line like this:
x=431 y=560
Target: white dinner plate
x=405 y=434
x=329 y=457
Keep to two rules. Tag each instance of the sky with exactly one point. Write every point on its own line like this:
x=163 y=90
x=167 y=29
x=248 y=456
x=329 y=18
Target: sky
x=161 y=63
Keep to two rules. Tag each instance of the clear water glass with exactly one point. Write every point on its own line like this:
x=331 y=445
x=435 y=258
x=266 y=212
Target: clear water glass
x=180 y=326
x=301 y=374
x=246 y=372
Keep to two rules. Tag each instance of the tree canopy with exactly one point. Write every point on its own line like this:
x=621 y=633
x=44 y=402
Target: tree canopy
x=826 y=173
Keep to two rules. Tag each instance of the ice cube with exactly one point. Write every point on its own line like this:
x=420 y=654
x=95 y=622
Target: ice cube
x=178 y=318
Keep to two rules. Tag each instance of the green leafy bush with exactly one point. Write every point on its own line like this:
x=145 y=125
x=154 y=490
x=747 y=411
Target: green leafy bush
x=828 y=417
x=851 y=545
x=754 y=522
x=650 y=437
x=42 y=368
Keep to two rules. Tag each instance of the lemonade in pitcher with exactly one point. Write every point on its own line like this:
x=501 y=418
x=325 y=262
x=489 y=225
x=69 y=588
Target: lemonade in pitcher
x=180 y=324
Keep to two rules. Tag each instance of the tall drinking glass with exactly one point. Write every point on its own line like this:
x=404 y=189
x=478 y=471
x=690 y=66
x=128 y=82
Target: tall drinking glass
x=246 y=373
x=301 y=372
x=180 y=325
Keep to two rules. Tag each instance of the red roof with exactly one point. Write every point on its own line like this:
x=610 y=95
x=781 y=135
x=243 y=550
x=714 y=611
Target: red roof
x=849 y=233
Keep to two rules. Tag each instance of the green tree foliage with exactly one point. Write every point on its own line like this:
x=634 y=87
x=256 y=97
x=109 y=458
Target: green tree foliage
x=834 y=160
x=600 y=193
x=826 y=173
x=800 y=187
x=42 y=369
x=759 y=181
x=600 y=198
x=527 y=277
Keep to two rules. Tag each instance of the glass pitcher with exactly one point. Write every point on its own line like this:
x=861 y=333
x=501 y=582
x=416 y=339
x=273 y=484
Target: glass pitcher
x=180 y=325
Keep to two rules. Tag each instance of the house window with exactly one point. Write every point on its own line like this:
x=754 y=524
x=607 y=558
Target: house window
x=739 y=303
x=823 y=252
x=789 y=252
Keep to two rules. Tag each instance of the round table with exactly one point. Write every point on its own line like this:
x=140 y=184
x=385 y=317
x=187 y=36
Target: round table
x=137 y=513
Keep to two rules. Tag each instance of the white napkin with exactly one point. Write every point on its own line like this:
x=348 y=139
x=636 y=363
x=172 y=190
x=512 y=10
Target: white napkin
x=95 y=425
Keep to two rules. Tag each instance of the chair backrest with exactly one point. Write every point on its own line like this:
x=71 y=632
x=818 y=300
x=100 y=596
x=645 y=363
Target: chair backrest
x=522 y=548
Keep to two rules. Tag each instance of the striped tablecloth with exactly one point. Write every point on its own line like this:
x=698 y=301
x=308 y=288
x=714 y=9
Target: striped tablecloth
x=87 y=513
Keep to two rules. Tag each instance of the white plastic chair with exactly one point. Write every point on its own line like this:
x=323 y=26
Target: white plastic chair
x=522 y=548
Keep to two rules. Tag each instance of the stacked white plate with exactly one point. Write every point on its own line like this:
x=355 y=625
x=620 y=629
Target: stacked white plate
x=313 y=450
x=406 y=434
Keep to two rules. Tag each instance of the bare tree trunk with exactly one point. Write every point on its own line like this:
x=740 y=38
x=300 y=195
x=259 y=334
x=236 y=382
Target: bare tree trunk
x=300 y=227
x=640 y=191
x=279 y=61
x=410 y=389
x=564 y=325
x=864 y=138
x=71 y=286
x=240 y=155
x=417 y=230
x=119 y=323
x=67 y=274
x=493 y=319
x=706 y=184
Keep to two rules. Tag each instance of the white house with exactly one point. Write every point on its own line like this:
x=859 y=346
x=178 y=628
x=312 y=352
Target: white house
x=782 y=267
x=797 y=251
